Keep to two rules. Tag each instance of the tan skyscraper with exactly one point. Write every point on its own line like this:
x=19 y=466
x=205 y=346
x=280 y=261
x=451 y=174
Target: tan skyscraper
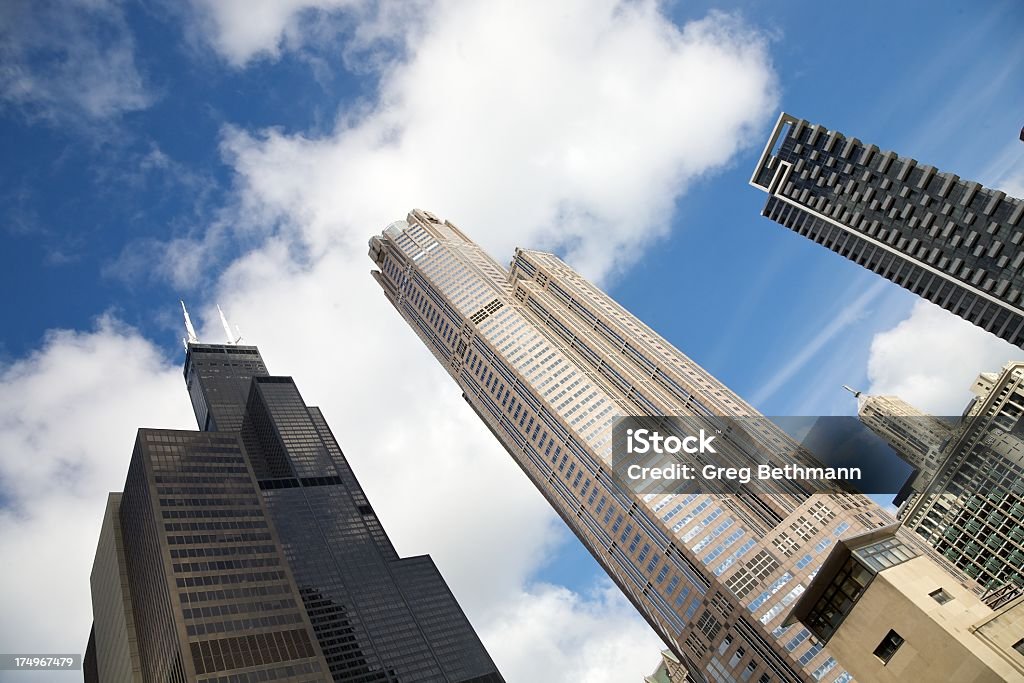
x=918 y=437
x=549 y=361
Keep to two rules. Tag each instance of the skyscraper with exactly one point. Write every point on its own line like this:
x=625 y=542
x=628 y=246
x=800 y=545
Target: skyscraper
x=967 y=500
x=549 y=361
x=918 y=438
x=249 y=552
x=951 y=241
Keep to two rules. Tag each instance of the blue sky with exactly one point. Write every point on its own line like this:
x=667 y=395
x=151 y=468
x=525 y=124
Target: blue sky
x=148 y=150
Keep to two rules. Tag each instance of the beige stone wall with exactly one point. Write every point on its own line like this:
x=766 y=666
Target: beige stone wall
x=939 y=643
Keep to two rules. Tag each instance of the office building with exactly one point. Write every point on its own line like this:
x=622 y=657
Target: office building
x=967 y=500
x=894 y=615
x=117 y=655
x=918 y=438
x=549 y=362
x=248 y=552
x=669 y=670
x=951 y=241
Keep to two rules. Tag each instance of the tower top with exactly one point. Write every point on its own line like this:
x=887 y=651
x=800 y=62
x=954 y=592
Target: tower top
x=192 y=338
x=232 y=339
x=856 y=394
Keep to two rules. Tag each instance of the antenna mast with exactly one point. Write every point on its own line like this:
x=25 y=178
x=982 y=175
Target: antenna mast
x=227 y=328
x=192 y=338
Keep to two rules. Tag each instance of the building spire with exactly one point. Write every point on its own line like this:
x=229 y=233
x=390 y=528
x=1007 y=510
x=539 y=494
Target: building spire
x=192 y=338
x=856 y=394
x=232 y=339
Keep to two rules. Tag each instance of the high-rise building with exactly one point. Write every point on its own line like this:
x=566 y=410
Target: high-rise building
x=549 y=362
x=967 y=500
x=117 y=655
x=669 y=670
x=918 y=438
x=951 y=241
x=248 y=552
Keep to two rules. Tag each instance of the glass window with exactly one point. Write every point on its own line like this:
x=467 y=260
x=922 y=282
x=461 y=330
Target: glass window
x=888 y=647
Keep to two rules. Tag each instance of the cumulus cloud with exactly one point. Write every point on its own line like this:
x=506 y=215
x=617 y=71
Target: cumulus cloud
x=581 y=142
x=68 y=416
x=66 y=61
x=597 y=637
x=244 y=31
x=931 y=359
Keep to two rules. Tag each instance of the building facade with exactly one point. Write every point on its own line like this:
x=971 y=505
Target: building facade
x=918 y=438
x=117 y=656
x=951 y=241
x=549 y=362
x=895 y=615
x=250 y=553
x=968 y=497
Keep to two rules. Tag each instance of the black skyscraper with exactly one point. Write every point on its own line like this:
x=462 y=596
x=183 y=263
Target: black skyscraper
x=251 y=548
x=951 y=241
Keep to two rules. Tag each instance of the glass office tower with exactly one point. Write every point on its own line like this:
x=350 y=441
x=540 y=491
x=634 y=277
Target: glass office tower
x=248 y=552
x=549 y=361
x=949 y=240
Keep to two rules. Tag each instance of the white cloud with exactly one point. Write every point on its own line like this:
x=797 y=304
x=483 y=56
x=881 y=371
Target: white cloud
x=931 y=359
x=68 y=61
x=582 y=141
x=68 y=416
x=244 y=31
x=575 y=126
x=597 y=639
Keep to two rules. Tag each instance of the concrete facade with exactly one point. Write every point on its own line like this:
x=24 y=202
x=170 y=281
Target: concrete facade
x=951 y=241
x=944 y=631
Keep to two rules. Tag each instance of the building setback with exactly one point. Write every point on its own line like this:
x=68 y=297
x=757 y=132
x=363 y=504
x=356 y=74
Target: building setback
x=548 y=361
x=967 y=500
x=951 y=241
x=248 y=552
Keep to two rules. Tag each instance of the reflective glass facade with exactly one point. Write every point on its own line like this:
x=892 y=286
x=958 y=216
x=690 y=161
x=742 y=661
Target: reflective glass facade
x=949 y=240
x=376 y=616
x=249 y=553
x=211 y=593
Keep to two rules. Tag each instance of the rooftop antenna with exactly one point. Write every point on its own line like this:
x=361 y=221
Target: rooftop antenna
x=192 y=338
x=227 y=328
x=856 y=394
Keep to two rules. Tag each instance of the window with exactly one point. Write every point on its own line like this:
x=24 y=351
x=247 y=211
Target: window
x=1019 y=646
x=887 y=648
x=940 y=596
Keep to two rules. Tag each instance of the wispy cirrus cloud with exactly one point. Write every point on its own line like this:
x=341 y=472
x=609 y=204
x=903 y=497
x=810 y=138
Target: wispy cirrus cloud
x=69 y=62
